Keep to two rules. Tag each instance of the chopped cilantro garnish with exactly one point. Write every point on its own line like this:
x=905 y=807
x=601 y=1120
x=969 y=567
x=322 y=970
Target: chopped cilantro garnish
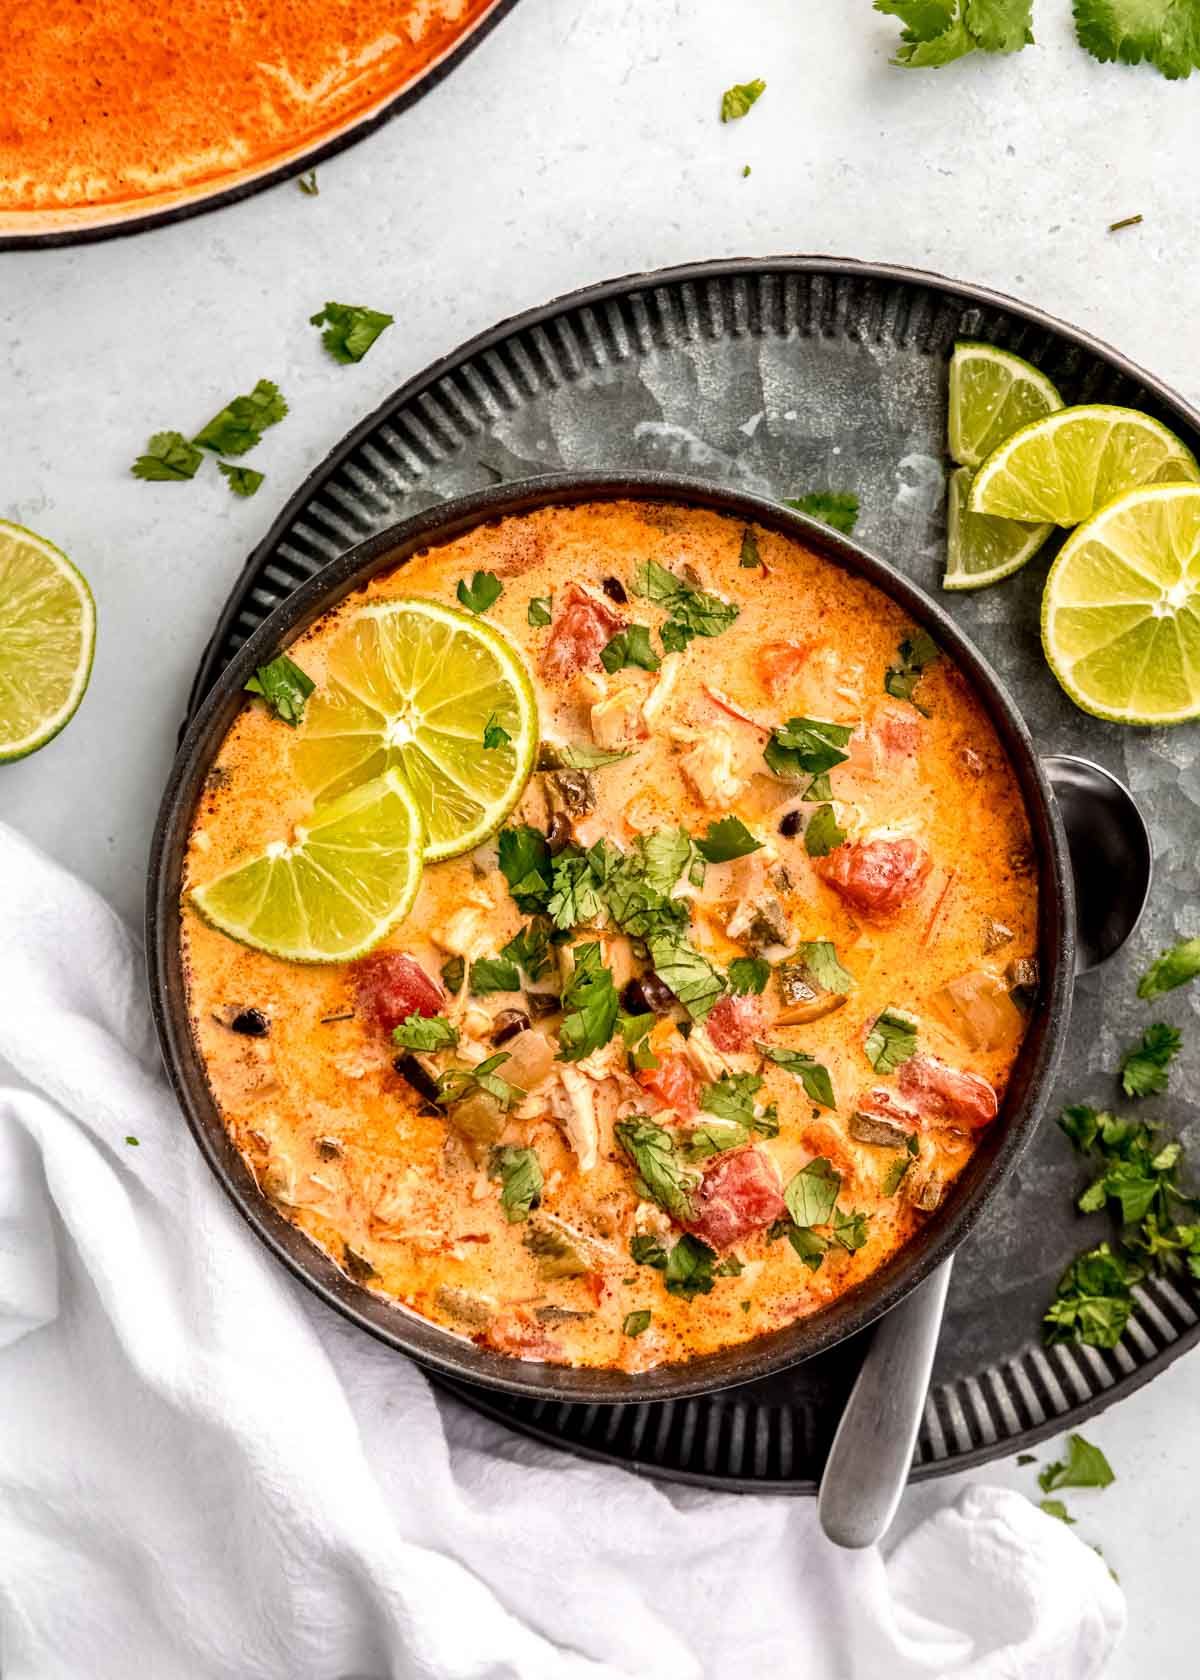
x=1164 y=33
x=690 y=976
x=917 y=651
x=737 y=100
x=732 y=1097
x=243 y=481
x=1085 y=1467
x=285 y=688
x=520 y=1175
x=454 y=972
x=824 y=834
x=850 y=1229
x=1144 y=1069
x=692 y=612
x=242 y=422
x=748 y=974
x=1173 y=968
x=630 y=646
x=494 y=736
x=457 y=1083
x=494 y=974
x=635 y=1322
x=539 y=611
x=891 y=1040
x=168 y=456
x=690 y=1268
x=427 y=1033
x=726 y=839
x=819 y=957
x=529 y=948
x=649 y=1251
x=836 y=508
x=525 y=865
x=350 y=329
x=749 y=557
x=807 y=747
x=589 y=1005
x=811 y=1074
x=483 y=591
x=132 y=1141
x=937 y=31
x=661 y=1169
x=812 y=1193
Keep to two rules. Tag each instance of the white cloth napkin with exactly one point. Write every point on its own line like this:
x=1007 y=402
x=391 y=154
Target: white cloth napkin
x=206 y=1475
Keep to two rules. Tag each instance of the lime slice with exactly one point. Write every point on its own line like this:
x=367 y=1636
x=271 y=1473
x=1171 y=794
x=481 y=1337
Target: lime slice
x=47 y=637
x=992 y=395
x=347 y=876
x=1121 y=612
x=413 y=684
x=1066 y=466
x=979 y=548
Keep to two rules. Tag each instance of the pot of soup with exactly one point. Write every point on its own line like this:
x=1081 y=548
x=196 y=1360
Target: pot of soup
x=610 y=936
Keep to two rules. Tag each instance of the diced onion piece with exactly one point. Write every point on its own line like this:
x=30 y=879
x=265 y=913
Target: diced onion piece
x=977 y=1008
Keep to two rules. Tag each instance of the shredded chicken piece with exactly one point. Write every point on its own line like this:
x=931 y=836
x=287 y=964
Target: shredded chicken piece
x=590 y=686
x=577 y=1114
x=649 y=1220
x=617 y=720
x=466 y=934
x=709 y=765
x=660 y=694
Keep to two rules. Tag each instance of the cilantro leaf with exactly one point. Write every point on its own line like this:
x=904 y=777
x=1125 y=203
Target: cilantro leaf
x=690 y=1268
x=635 y=1322
x=483 y=591
x=459 y=1082
x=520 y=1175
x=807 y=747
x=692 y=612
x=454 y=972
x=525 y=864
x=850 y=1230
x=539 y=611
x=575 y=894
x=809 y=1245
x=243 y=481
x=589 y=1005
x=1144 y=1069
x=894 y=1176
x=649 y=1251
x=350 y=329
x=836 y=508
x=748 y=974
x=812 y=1075
x=812 y=1193
x=749 y=557
x=690 y=976
x=917 y=651
x=1093 y=1301
x=939 y=31
x=824 y=834
x=242 y=422
x=1172 y=968
x=285 y=688
x=494 y=736
x=662 y=1172
x=572 y=757
x=892 y=1039
x=1164 y=33
x=494 y=974
x=712 y=1137
x=529 y=948
x=732 y=1097
x=630 y=646
x=737 y=100
x=425 y=1032
x=169 y=456
x=660 y=857
x=1086 y=1467
x=1056 y=1508
x=727 y=839
x=819 y=957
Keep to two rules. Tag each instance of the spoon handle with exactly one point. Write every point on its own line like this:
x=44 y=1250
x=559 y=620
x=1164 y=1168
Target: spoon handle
x=871 y=1455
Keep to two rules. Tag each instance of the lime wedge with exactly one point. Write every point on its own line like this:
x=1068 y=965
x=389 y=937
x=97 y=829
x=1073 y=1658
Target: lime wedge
x=1064 y=467
x=1121 y=612
x=47 y=637
x=979 y=548
x=992 y=395
x=415 y=685
x=335 y=889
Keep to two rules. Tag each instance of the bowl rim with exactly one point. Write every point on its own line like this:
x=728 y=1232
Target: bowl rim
x=400 y=1327
x=294 y=164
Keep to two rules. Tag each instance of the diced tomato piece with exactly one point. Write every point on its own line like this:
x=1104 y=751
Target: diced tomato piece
x=740 y=1193
x=900 y=729
x=674 y=1084
x=735 y=1022
x=777 y=663
x=597 y=1288
x=583 y=626
x=391 y=986
x=877 y=877
x=944 y=1095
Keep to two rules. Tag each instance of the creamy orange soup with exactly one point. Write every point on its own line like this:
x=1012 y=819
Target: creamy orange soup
x=108 y=102
x=680 y=1176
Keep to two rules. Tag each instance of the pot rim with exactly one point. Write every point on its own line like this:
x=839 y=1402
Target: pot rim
x=400 y=1327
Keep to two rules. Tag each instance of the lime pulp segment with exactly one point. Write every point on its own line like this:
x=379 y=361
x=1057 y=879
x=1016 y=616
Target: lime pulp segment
x=981 y=549
x=414 y=685
x=992 y=395
x=1121 y=611
x=348 y=876
x=47 y=638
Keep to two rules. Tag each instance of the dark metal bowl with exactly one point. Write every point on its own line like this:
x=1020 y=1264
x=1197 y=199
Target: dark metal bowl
x=994 y=1155
x=33 y=230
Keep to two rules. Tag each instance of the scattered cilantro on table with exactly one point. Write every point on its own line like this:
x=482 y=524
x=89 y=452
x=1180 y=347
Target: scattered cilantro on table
x=1144 y=1068
x=308 y=184
x=243 y=420
x=835 y=508
x=936 y=32
x=1085 y=1467
x=350 y=329
x=1164 y=33
x=243 y=481
x=738 y=99
x=168 y=456
x=1172 y=968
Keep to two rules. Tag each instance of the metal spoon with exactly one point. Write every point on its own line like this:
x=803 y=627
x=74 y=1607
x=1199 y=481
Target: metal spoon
x=869 y=1461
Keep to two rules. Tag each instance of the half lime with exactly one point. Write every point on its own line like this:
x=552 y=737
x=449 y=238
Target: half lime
x=47 y=638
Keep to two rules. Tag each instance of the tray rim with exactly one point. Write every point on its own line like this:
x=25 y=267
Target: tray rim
x=290 y=168
x=591 y=295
